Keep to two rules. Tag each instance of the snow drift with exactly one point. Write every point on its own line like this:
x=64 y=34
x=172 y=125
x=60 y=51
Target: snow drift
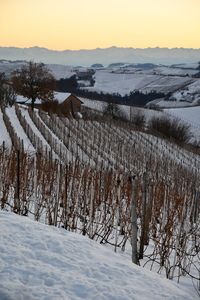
x=43 y=262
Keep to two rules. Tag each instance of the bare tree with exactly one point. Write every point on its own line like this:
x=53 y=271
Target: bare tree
x=33 y=81
x=112 y=109
x=7 y=94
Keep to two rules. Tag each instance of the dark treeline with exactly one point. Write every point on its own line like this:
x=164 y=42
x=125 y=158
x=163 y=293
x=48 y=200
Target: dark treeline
x=134 y=98
x=67 y=84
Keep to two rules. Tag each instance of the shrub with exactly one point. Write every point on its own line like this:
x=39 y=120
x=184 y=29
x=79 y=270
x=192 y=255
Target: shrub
x=138 y=119
x=154 y=106
x=174 y=129
x=113 y=110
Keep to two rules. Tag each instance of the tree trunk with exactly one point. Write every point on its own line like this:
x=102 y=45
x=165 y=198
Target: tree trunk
x=32 y=103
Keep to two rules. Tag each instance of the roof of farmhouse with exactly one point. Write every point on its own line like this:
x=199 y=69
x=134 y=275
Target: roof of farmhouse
x=60 y=97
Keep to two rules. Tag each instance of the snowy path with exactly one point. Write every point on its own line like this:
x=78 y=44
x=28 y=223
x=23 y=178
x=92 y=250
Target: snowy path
x=25 y=113
x=4 y=135
x=44 y=262
x=18 y=128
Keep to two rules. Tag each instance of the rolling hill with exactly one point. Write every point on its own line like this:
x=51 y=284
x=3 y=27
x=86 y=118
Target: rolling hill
x=86 y=176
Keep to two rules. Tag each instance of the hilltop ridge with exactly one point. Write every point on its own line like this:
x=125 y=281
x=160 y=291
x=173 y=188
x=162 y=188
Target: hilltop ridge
x=104 y=56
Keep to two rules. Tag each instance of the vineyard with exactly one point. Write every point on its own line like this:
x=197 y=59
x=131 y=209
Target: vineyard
x=106 y=180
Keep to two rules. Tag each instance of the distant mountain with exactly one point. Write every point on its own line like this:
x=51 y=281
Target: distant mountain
x=104 y=56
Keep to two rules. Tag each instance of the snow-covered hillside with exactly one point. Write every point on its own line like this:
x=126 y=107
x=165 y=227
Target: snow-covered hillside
x=125 y=109
x=108 y=81
x=179 y=81
x=176 y=71
x=189 y=115
x=75 y=173
x=182 y=86
x=42 y=262
x=59 y=71
x=67 y=139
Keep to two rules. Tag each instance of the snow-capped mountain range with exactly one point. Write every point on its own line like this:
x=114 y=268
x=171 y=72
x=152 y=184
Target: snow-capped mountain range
x=104 y=56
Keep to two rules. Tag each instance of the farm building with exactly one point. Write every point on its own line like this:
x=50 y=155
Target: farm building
x=64 y=103
x=69 y=103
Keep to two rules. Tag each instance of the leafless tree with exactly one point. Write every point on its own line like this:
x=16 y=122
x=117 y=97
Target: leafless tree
x=33 y=81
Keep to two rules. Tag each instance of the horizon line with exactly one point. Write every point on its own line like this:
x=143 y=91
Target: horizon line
x=101 y=48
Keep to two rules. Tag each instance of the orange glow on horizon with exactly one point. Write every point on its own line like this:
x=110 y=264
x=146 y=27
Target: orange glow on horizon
x=93 y=24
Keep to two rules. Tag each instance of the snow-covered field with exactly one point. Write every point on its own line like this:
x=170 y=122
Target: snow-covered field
x=175 y=71
x=61 y=71
x=113 y=82
x=191 y=116
x=42 y=262
x=177 y=79
x=172 y=104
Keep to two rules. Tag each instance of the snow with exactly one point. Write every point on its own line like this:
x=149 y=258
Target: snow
x=22 y=99
x=60 y=97
x=18 y=128
x=190 y=94
x=176 y=79
x=61 y=71
x=94 y=104
x=194 y=87
x=56 y=141
x=171 y=104
x=186 y=66
x=191 y=116
x=108 y=81
x=25 y=113
x=58 y=71
x=104 y=56
x=43 y=262
x=125 y=109
x=174 y=71
x=4 y=135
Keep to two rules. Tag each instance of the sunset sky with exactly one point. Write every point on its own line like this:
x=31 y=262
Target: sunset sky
x=88 y=24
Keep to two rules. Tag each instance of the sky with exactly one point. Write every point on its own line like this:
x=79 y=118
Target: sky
x=89 y=24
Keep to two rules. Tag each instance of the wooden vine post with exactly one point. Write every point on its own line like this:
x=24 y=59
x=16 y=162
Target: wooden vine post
x=133 y=221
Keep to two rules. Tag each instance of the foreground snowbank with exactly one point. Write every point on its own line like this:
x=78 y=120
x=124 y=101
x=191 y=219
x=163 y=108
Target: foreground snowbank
x=43 y=262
